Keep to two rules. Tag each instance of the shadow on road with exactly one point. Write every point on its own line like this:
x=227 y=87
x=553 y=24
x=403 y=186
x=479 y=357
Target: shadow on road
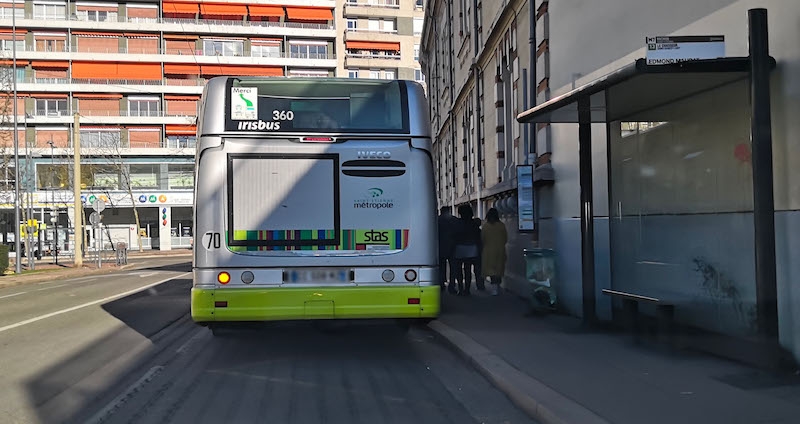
x=174 y=267
x=58 y=394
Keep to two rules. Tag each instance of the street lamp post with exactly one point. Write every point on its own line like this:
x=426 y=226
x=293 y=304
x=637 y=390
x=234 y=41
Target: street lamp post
x=54 y=212
x=17 y=246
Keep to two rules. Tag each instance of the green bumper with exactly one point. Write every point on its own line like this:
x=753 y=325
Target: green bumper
x=272 y=304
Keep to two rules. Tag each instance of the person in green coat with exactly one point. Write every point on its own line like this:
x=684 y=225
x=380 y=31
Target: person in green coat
x=493 y=256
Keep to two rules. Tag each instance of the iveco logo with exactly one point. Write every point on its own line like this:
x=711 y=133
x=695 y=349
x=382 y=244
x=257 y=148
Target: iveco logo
x=363 y=154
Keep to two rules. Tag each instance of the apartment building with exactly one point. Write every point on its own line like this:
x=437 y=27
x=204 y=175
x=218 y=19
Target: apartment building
x=132 y=72
x=667 y=179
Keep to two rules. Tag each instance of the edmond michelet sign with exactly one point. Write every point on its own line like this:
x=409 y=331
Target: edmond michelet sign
x=664 y=50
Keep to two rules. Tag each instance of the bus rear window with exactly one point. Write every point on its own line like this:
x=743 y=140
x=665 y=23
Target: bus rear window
x=318 y=105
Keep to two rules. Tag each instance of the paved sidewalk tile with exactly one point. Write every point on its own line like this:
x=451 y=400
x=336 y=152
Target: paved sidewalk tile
x=617 y=380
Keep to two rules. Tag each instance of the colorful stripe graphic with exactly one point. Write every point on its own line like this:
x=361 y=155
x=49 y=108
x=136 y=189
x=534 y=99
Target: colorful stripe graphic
x=390 y=239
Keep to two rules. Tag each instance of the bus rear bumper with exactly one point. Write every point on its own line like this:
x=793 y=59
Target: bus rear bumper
x=272 y=304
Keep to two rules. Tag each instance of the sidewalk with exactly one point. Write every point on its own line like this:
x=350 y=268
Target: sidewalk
x=46 y=269
x=559 y=373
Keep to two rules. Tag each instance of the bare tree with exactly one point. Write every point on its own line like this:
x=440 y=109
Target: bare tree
x=112 y=173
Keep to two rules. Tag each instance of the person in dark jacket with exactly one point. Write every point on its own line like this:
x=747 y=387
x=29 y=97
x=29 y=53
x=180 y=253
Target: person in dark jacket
x=466 y=252
x=447 y=223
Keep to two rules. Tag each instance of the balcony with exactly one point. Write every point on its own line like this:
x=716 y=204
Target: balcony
x=385 y=4
x=101 y=85
x=371 y=60
x=200 y=57
x=109 y=117
x=178 y=25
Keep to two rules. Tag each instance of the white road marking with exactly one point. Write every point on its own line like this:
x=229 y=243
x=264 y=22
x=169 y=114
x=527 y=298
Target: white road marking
x=95 y=302
x=148 y=274
x=12 y=295
x=51 y=287
x=126 y=395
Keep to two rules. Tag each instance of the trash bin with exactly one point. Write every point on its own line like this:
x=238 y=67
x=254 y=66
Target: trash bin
x=540 y=271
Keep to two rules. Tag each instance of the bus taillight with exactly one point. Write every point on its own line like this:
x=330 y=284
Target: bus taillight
x=223 y=277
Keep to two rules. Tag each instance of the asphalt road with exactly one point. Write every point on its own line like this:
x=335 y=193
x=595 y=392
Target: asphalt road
x=121 y=348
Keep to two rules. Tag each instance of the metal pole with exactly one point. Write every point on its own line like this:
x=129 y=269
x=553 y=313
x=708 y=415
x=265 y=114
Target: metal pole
x=76 y=188
x=587 y=210
x=17 y=223
x=763 y=197
x=99 y=228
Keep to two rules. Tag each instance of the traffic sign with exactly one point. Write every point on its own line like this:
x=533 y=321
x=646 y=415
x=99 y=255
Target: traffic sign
x=95 y=218
x=99 y=205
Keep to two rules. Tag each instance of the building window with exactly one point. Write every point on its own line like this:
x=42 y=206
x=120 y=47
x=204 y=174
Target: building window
x=6 y=73
x=374 y=74
x=388 y=25
x=265 y=51
x=308 y=50
x=223 y=47
x=418 y=75
x=8 y=45
x=419 y=4
x=352 y=25
x=418 y=26
x=50 y=11
x=416 y=52
x=144 y=176
x=100 y=139
x=390 y=74
x=97 y=15
x=51 y=107
x=352 y=73
x=181 y=142
x=45 y=43
x=144 y=106
x=6 y=11
x=181 y=176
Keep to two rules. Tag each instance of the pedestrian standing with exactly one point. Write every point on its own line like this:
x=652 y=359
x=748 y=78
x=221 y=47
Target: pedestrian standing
x=447 y=223
x=493 y=258
x=466 y=253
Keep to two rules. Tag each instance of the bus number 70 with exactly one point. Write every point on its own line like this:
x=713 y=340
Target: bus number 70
x=213 y=239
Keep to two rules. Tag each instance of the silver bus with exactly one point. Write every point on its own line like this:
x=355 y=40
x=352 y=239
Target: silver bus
x=314 y=199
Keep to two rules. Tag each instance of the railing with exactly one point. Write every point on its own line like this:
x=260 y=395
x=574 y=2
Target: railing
x=391 y=4
x=181 y=241
x=372 y=56
x=375 y=31
x=179 y=52
x=222 y=22
x=191 y=82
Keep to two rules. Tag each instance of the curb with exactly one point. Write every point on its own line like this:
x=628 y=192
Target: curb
x=534 y=398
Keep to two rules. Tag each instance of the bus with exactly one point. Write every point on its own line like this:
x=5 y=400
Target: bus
x=314 y=199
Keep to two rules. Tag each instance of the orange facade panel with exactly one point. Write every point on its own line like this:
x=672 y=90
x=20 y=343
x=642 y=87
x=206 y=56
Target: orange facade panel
x=181 y=8
x=180 y=97
x=144 y=137
x=259 y=71
x=7 y=137
x=50 y=73
x=60 y=138
x=98 y=45
x=223 y=9
x=55 y=64
x=182 y=107
x=181 y=69
x=309 y=14
x=372 y=45
x=10 y=62
x=99 y=107
x=142 y=12
x=266 y=11
x=113 y=70
x=142 y=46
x=181 y=47
x=181 y=130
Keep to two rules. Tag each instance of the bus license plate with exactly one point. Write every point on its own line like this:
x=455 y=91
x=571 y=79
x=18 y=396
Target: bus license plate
x=317 y=276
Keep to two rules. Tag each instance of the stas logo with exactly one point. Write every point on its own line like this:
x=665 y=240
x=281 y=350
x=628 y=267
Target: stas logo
x=376 y=236
x=259 y=126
